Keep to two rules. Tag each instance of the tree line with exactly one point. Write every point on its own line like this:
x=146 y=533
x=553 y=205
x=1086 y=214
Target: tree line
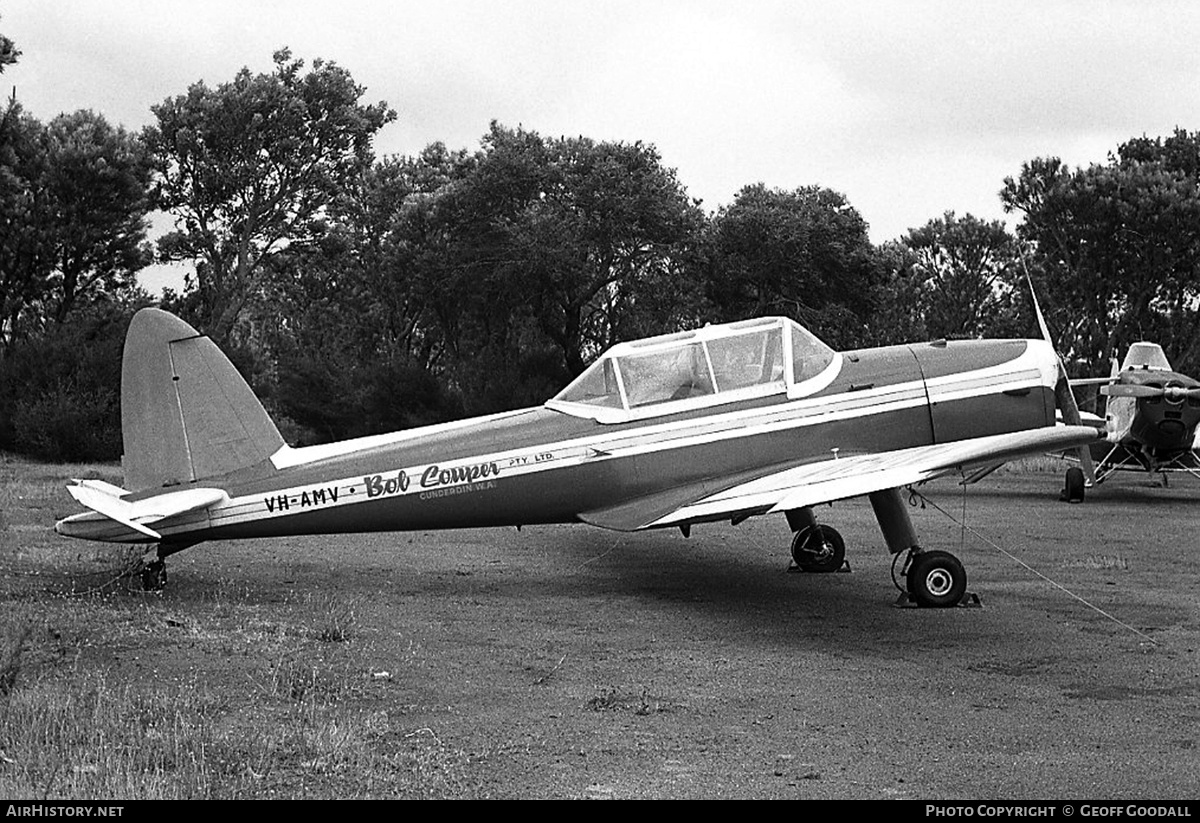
x=360 y=294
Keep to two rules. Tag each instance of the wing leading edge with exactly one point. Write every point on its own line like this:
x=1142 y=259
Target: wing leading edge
x=832 y=479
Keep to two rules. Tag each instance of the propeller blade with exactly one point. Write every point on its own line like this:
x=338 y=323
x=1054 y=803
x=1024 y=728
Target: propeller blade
x=1132 y=390
x=1173 y=393
x=1063 y=396
x=1037 y=310
x=1065 y=399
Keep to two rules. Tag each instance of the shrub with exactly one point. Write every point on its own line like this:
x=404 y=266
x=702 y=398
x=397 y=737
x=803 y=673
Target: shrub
x=66 y=423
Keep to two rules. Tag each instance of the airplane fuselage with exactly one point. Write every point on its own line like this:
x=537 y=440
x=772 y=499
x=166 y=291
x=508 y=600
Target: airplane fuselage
x=542 y=465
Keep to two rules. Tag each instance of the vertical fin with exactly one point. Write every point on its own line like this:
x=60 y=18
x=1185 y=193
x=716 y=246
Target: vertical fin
x=186 y=413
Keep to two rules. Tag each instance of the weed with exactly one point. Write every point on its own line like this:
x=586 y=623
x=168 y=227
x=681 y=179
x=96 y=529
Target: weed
x=334 y=618
x=607 y=700
x=10 y=661
x=612 y=700
x=1100 y=563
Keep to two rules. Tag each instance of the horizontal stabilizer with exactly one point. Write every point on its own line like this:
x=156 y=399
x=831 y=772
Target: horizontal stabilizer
x=112 y=507
x=136 y=515
x=100 y=485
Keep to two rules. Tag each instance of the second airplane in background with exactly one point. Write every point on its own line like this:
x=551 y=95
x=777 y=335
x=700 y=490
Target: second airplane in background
x=1151 y=417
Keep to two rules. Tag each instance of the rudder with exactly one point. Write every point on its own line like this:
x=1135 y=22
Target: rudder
x=186 y=413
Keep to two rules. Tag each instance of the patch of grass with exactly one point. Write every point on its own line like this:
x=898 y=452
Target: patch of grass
x=608 y=700
x=80 y=737
x=71 y=734
x=1035 y=464
x=290 y=678
x=276 y=702
x=333 y=618
x=10 y=660
x=1100 y=563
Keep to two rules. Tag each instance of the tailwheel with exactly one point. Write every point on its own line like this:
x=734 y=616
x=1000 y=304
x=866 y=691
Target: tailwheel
x=818 y=548
x=154 y=575
x=936 y=579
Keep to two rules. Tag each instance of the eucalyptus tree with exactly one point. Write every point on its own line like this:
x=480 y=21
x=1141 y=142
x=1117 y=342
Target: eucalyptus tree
x=536 y=253
x=968 y=270
x=73 y=202
x=98 y=178
x=803 y=253
x=25 y=220
x=250 y=167
x=1117 y=247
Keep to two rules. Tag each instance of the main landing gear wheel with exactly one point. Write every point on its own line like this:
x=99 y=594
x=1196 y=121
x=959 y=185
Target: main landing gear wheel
x=936 y=579
x=1073 y=491
x=818 y=548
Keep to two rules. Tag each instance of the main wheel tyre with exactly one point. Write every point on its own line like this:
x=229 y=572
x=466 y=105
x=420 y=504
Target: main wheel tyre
x=818 y=548
x=936 y=579
x=1073 y=491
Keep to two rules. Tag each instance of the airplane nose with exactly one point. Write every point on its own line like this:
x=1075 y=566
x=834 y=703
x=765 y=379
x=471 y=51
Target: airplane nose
x=1047 y=362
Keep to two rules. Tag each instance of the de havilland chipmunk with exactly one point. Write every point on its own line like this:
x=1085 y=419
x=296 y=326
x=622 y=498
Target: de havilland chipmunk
x=716 y=424
x=1150 y=420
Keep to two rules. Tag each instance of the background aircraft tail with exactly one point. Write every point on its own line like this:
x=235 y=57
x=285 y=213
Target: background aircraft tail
x=186 y=413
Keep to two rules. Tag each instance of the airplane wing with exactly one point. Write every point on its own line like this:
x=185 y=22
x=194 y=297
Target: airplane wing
x=836 y=478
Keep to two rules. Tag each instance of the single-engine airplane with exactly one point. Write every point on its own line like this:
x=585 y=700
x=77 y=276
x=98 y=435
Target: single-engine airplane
x=720 y=423
x=1151 y=418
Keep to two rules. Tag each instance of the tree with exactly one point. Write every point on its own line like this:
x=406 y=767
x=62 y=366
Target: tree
x=528 y=257
x=602 y=246
x=8 y=52
x=1117 y=248
x=98 y=178
x=60 y=397
x=899 y=313
x=26 y=219
x=73 y=200
x=346 y=320
x=804 y=254
x=967 y=269
x=251 y=167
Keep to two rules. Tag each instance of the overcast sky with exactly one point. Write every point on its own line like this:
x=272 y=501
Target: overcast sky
x=910 y=109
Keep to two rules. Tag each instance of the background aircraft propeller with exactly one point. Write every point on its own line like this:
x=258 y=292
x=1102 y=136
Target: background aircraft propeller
x=1174 y=394
x=1064 y=398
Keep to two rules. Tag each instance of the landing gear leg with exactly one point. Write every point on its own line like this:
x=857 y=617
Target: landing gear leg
x=934 y=578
